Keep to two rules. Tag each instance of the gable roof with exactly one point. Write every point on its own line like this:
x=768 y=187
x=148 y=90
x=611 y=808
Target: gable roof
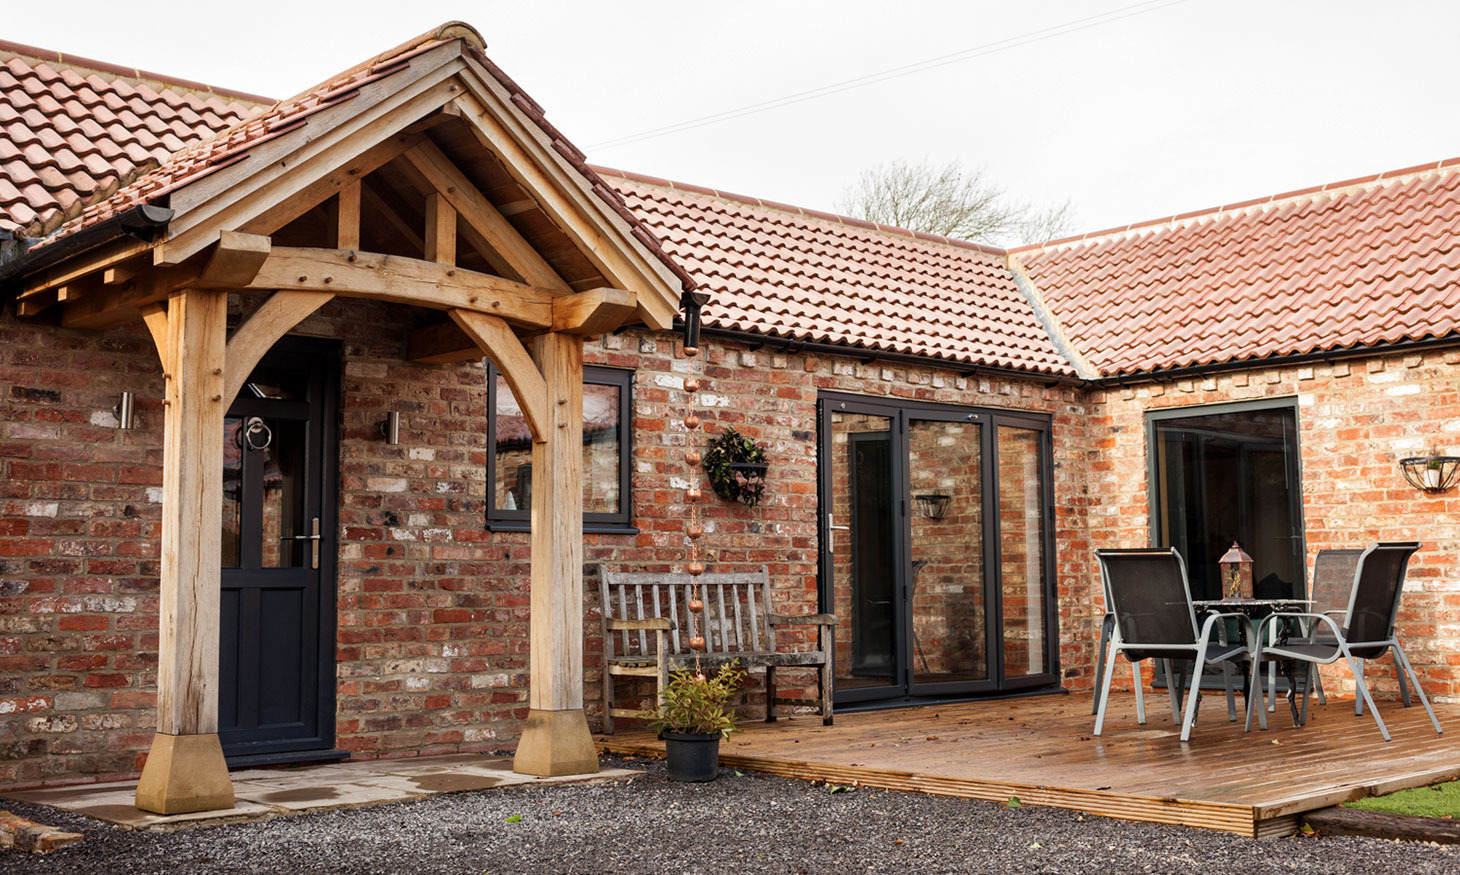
x=233 y=143
x=1352 y=264
x=74 y=130
x=782 y=271
x=1347 y=266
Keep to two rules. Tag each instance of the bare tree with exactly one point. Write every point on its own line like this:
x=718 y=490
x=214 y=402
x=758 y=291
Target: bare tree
x=951 y=200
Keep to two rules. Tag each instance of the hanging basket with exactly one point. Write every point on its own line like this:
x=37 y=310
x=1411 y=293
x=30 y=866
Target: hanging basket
x=736 y=466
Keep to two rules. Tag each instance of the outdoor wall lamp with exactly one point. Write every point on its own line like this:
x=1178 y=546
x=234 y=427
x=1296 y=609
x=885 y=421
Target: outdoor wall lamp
x=933 y=506
x=126 y=415
x=1431 y=473
x=390 y=428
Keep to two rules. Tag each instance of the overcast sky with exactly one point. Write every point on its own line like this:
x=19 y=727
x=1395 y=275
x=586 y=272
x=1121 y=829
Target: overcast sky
x=1132 y=110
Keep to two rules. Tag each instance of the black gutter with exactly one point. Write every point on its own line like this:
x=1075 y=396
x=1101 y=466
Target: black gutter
x=142 y=222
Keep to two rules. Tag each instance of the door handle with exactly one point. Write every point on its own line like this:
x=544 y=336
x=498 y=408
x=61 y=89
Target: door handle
x=314 y=546
x=830 y=544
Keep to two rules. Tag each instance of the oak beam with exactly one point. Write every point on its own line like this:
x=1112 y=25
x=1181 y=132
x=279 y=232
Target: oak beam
x=555 y=740
x=596 y=311
x=403 y=281
x=74 y=269
x=497 y=342
x=477 y=210
x=347 y=217
x=330 y=184
x=256 y=336
x=186 y=770
x=232 y=261
x=440 y=230
x=565 y=199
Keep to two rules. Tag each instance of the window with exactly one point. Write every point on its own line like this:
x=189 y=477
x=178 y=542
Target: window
x=607 y=447
x=1224 y=473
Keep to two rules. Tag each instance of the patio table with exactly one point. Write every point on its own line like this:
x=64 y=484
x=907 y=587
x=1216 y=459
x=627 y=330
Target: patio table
x=1255 y=610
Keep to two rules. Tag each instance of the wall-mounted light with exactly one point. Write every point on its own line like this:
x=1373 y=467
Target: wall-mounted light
x=934 y=507
x=126 y=417
x=390 y=427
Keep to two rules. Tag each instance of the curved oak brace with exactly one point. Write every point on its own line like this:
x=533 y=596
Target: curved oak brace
x=403 y=281
x=256 y=336
x=155 y=317
x=499 y=344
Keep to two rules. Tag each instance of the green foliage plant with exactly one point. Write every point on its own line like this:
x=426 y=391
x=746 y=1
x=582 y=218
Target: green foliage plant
x=694 y=703
x=729 y=448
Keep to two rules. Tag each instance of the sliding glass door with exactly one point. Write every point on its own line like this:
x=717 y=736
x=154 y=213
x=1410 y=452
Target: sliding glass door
x=935 y=549
x=1225 y=473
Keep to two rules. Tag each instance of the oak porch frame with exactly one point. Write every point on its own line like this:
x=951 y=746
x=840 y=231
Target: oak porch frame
x=204 y=370
x=528 y=321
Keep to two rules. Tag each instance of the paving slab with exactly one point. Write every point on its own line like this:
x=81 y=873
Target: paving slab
x=264 y=793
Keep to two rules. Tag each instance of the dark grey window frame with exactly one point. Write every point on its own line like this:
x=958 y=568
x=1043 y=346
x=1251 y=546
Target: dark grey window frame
x=617 y=523
x=902 y=411
x=1153 y=475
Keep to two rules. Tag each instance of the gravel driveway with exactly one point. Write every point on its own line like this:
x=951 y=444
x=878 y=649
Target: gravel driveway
x=741 y=823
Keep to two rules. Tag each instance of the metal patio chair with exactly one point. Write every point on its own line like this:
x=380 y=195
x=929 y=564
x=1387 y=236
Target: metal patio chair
x=1368 y=632
x=1148 y=593
x=1331 y=589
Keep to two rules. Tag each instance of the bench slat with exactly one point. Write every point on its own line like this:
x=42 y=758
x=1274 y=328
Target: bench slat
x=673 y=616
x=639 y=603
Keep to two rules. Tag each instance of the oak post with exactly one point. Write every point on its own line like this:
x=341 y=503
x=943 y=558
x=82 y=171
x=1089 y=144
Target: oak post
x=556 y=740
x=185 y=769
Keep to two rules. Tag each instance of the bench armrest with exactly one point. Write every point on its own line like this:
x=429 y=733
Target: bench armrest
x=802 y=619
x=660 y=623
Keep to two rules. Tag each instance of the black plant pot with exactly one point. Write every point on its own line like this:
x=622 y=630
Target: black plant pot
x=692 y=757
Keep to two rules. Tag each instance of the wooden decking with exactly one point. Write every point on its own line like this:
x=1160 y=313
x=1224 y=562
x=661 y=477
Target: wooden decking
x=1041 y=750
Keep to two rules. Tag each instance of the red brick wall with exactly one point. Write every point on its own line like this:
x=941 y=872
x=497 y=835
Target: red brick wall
x=432 y=653
x=1356 y=420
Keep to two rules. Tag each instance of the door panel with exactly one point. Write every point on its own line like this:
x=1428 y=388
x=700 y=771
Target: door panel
x=863 y=531
x=946 y=589
x=277 y=620
x=1022 y=543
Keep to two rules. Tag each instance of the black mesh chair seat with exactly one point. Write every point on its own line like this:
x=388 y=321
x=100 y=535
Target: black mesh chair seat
x=1320 y=652
x=1215 y=653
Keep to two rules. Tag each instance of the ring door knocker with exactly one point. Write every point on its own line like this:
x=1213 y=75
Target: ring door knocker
x=256 y=434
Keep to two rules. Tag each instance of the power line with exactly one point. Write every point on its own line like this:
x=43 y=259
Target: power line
x=990 y=48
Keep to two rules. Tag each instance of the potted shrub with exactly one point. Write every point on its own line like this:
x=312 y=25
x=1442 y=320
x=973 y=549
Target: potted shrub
x=693 y=716
x=1433 y=472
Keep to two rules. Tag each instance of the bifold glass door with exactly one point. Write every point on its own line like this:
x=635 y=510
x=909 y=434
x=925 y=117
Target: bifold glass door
x=935 y=549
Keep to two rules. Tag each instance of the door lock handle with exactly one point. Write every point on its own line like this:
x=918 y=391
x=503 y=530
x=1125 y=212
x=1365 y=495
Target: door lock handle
x=313 y=538
x=830 y=543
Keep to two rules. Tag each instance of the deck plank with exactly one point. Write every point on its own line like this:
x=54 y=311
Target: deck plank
x=1042 y=750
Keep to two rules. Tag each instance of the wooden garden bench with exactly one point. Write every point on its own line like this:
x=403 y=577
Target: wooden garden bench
x=647 y=627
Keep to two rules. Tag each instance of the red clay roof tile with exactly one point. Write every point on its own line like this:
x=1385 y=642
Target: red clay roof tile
x=812 y=276
x=1318 y=270
x=90 y=115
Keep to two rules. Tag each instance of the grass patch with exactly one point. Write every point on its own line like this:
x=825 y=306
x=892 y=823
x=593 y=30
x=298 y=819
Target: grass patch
x=1436 y=800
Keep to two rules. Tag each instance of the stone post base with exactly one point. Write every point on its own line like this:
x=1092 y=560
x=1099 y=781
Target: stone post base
x=556 y=743
x=185 y=773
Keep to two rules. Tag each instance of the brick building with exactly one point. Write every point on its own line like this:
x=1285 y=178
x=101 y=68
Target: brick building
x=980 y=420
